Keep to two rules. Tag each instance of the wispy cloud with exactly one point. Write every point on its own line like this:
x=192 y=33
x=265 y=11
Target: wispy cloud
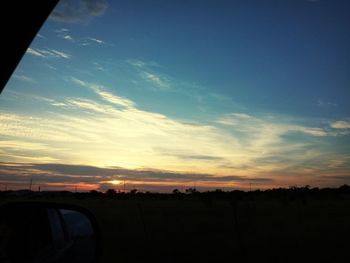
x=340 y=125
x=91 y=41
x=98 y=66
x=84 y=104
x=184 y=155
x=40 y=36
x=24 y=78
x=68 y=37
x=50 y=66
x=105 y=95
x=148 y=74
x=113 y=98
x=326 y=104
x=234 y=118
x=245 y=122
x=48 y=53
x=34 y=52
x=318 y=132
x=21 y=144
x=65 y=34
x=157 y=80
x=142 y=64
x=60 y=54
x=62 y=30
x=98 y=41
x=78 y=11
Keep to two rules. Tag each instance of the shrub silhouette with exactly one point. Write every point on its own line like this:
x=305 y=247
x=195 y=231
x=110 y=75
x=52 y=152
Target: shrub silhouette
x=111 y=192
x=176 y=191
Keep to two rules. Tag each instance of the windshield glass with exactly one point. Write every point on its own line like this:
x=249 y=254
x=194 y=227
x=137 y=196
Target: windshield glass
x=158 y=95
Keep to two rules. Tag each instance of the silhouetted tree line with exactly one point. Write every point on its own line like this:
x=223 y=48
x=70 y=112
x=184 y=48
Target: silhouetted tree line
x=285 y=195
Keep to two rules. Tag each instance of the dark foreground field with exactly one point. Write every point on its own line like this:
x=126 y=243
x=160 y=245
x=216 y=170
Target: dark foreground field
x=219 y=228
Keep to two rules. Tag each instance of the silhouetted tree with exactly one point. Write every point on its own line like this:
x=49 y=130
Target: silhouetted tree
x=133 y=191
x=191 y=190
x=111 y=192
x=176 y=191
x=95 y=193
x=344 y=189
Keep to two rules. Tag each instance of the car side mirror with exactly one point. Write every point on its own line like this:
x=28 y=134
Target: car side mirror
x=40 y=232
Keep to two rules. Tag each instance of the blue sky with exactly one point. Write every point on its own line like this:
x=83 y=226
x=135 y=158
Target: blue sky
x=166 y=93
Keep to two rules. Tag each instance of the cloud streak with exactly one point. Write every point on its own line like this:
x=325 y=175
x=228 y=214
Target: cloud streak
x=245 y=122
x=34 y=52
x=24 y=78
x=65 y=34
x=46 y=174
x=105 y=95
x=326 y=104
x=48 y=53
x=340 y=125
x=98 y=41
x=59 y=54
x=147 y=73
x=156 y=80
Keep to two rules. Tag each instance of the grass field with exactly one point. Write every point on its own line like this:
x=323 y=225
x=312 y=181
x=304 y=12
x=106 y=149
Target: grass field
x=199 y=229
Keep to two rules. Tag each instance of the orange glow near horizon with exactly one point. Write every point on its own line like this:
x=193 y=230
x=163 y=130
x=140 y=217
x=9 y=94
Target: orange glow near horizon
x=70 y=187
x=162 y=186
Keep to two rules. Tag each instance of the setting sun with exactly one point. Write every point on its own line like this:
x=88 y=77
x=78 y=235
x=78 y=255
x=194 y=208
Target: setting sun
x=115 y=182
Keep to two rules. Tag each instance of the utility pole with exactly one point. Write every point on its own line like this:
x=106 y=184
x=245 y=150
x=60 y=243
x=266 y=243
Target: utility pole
x=30 y=184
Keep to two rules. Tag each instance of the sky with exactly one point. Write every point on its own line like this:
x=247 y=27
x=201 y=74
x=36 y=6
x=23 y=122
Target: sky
x=178 y=94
